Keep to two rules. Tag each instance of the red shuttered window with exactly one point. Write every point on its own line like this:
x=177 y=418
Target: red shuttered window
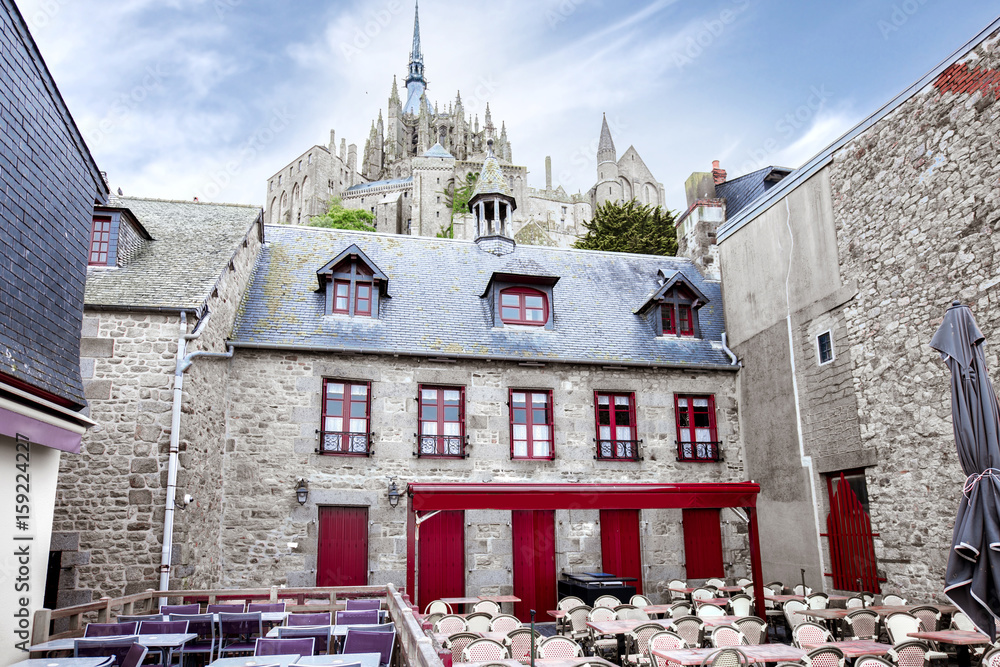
x=531 y=424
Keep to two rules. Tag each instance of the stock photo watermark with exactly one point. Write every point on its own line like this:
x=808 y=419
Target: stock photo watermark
x=709 y=31
x=125 y=103
x=47 y=10
x=247 y=152
x=786 y=127
x=563 y=11
x=899 y=16
x=377 y=21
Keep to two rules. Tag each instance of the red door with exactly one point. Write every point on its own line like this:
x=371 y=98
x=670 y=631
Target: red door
x=534 y=534
x=849 y=529
x=441 y=553
x=621 y=554
x=343 y=547
x=703 y=544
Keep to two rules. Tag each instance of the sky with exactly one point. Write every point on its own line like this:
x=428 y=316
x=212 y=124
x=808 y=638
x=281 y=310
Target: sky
x=208 y=98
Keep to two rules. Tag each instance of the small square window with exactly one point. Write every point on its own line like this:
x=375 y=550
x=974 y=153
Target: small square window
x=824 y=347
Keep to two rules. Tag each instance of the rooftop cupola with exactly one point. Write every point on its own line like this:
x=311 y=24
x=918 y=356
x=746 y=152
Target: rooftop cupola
x=493 y=204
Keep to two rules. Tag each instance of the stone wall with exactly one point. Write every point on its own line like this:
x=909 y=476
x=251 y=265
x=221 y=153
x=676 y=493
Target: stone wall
x=274 y=414
x=917 y=206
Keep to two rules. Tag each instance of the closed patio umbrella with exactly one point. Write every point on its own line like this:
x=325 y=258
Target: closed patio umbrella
x=974 y=561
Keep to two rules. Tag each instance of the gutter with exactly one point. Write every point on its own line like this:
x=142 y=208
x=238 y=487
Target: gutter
x=732 y=355
x=482 y=357
x=183 y=362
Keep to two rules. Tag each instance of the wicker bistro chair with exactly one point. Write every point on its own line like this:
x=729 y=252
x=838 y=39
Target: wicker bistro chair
x=664 y=640
x=504 y=623
x=478 y=621
x=727 y=635
x=704 y=593
x=487 y=607
x=125 y=650
x=959 y=621
x=677 y=595
x=818 y=600
x=559 y=647
x=301 y=646
x=432 y=619
x=630 y=613
x=204 y=626
x=167 y=609
x=164 y=628
x=637 y=643
x=928 y=615
x=776 y=587
x=518 y=643
x=799 y=589
x=810 y=633
x=872 y=661
x=320 y=618
x=855 y=601
x=827 y=656
x=899 y=624
x=709 y=610
x=792 y=617
x=741 y=605
x=565 y=604
x=715 y=582
x=992 y=658
x=481 y=650
x=690 y=629
x=577 y=629
x=238 y=632
x=893 y=600
x=320 y=635
x=909 y=654
x=457 y=642
x=372 y=641
x=726 y=657
x=363 y=605
x=679 y=609
x=639 y=601
x=437 y=607
x=450 y=624
x=110 y=629
x=609 y=601
x=743 y=581
x=862 y=624
x=753 y=628
x=602 y=644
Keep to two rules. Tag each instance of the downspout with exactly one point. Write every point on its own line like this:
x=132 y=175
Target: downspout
x=806 y=461
x=729 y=353
x=183 y=362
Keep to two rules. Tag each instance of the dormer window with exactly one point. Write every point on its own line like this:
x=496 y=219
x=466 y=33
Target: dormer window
x=354 y=285
x=524 y=305
x=672 y=308
x=676 y=313
x=100 y=240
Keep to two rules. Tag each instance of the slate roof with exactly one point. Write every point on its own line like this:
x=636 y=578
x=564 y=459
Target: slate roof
x=374 y=184
x=491 y=180
x=436 y=308
x=740 y=191
x=179 y=269
x=437 y=150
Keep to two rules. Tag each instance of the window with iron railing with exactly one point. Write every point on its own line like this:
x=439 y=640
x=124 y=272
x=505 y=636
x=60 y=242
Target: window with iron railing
x=346 y=418
x=616 y=433
x=441 y=418
x=697 y=435
x=531 y=424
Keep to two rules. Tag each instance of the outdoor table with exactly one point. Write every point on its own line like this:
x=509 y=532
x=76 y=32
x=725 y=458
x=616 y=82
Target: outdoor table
x=366 y=659
x=730 y=589
x=67 y=662
x=831 y=616
x=501 y=599
x=854 y=648
x=963 y=639
x=620 y=627
x=284 y=660
x=883 y=610
x=657 y=608
x=722 y=602
x=455 y=602
x=784 y=598
x=149 y=641
x=758 y=653
x=713 y=621
x=557 y=613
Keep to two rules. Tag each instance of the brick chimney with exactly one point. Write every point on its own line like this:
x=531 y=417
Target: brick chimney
x=718 y=174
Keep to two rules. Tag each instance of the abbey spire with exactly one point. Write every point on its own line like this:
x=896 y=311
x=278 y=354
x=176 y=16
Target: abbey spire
x=416 y=84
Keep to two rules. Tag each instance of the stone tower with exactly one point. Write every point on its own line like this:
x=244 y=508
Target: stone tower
x=416 y=84
x=493 y=204
x=608 y=187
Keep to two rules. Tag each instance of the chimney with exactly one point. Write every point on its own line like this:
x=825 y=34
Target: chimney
x=718 y=174
x=333 y=142
x=548 y=172
x=352 y=160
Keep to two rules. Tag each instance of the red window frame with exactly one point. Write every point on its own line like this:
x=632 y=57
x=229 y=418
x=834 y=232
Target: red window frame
x=344 y=285
x=436 y=442
x=100 y=241
x=523 y=310
x=366 y=308
x=689 y=448
x=613 y=448
x=529 y=416
x=348 y=441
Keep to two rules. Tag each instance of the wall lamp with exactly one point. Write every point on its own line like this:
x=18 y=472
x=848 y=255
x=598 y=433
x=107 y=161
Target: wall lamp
x=393 y=494
x=302 y=492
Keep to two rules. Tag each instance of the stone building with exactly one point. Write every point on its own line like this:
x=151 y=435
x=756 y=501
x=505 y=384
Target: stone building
x=49 y=184
x=419 y=153
x=836 y=279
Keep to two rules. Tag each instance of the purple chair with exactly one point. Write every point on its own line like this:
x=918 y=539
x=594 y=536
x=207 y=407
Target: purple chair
x=320 y=634
x=321 y=618
x=266 y=606
x=164 y=628
x=125 y=650
x=365 y=617
x=167 y=609
x=362 y=605
x=204 y=626
x=366 y=641
x=225 y=609
x=110 y=629
x=238 y=633
x=301 y=646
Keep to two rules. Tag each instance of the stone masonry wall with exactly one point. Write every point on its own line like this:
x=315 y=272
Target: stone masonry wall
x=274 y=414
x=110 y=499
x=917 y=206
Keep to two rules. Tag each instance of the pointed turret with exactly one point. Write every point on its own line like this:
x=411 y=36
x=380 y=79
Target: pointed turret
x=504 y=144
x=394 y=97
x=606 y=147
x=493 y=205
x=489 y=127
x=415 y=81
x=608 y=187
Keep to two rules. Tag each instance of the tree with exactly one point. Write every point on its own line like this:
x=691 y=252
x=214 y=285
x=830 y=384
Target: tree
x=457 y=197
x=630 y=227
x=338 y=217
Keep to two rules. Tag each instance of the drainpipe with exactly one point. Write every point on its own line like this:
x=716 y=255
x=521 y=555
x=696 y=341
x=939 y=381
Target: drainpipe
x=184 y=362
x=730 y=353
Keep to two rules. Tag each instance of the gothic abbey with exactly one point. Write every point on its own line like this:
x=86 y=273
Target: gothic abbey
x=415 y=158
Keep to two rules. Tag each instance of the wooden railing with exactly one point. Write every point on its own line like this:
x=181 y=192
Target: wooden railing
x=415 y=648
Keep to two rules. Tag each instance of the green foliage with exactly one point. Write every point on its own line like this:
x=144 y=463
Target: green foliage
x=448 y=232
x=338 y=217
x=631 y=227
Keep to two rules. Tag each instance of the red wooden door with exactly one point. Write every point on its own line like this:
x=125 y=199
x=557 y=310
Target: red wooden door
x=703 y=544
x=621 y=554
x=441 y=552
x=343 y=547
x=852 y=542
x=534 y=533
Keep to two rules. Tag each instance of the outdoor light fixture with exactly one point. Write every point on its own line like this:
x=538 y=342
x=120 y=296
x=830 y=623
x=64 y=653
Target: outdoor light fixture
x=393 y=494
x=302 y=492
